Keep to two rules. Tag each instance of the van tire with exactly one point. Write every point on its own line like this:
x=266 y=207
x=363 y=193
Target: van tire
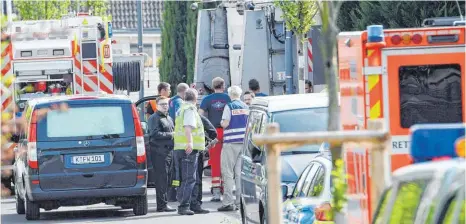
x=20 y=209
x=32 y=210
x=140 y=205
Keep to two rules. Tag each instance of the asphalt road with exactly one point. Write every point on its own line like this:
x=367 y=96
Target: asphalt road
x=102 y=213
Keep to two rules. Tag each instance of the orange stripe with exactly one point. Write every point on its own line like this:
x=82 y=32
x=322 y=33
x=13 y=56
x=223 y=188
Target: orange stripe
x=6 y=102
x=6 y=69
x=6 y=51
x=86 y=86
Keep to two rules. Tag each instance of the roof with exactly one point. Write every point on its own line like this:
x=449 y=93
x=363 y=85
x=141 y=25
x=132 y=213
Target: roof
x=429 y=168
x=291 y=102
x=63 y=98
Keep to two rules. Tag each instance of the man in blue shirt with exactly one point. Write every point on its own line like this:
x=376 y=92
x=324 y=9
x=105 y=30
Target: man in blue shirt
x=255 y=88
x=177 y=100
x=212 y=107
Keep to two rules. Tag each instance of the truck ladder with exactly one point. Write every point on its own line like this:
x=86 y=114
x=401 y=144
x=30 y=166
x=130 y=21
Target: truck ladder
x=89 y=34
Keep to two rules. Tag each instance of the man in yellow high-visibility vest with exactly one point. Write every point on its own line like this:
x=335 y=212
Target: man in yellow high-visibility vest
x=189 y=142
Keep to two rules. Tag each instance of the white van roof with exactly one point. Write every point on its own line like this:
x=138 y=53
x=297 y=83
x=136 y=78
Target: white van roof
x=292 y=102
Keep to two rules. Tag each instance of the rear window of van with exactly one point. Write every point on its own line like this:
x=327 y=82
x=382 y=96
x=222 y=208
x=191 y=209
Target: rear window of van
x=87 y=122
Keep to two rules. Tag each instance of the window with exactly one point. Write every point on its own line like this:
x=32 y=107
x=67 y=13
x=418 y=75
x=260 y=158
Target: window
x=158 y=50
x=318 y=183
x=299 y=185
x=307 y=182
x=407 y=200
x=430 y=94
x=450 y=211
x=86 y=121
x=291 y=121
x=254 y=127
x=147 y=48
x=382 y=205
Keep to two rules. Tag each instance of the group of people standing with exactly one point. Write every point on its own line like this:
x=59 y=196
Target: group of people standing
x=179 y=135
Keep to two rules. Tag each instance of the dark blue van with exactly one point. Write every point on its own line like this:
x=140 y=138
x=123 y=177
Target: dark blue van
x=91 y=153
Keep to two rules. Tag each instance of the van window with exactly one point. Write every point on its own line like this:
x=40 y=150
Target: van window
x=382 y=205
x=254 y=127
x=317 y=184
x=299 y=185
x=430 y=94
x=316 y=119
x=309 y=179
x=86 y=122
x=448 y=213
x=408 y=198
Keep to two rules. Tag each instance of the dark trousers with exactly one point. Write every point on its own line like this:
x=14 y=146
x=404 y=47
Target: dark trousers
x=200 y=169
x=162 y=165
x=187 y=192
x=171 y=193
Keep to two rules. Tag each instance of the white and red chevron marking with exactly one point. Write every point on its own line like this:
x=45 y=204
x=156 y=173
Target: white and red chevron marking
x=6 y=95
x=310 y=64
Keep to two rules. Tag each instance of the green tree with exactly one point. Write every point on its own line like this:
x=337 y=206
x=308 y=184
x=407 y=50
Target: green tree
x=298 y=15
x=397 y=14
x=55 y=9
x=37 y=10
x=190 y=42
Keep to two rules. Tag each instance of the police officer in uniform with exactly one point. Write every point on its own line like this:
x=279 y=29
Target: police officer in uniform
x=234 y=120
x=189 y=142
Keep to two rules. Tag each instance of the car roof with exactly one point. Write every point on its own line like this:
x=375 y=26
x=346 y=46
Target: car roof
x=64 y=98
x=430 y=167
x=291 y=102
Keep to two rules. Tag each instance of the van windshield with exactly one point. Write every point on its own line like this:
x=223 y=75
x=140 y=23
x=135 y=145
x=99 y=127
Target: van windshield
x=302 y=120
x=89 y=122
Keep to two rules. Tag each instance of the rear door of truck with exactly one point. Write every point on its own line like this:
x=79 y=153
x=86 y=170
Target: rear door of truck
x=422 y=84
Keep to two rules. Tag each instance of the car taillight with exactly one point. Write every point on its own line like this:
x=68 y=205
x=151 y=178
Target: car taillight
x=32 y=145
x=323 y=212
x=141 y=148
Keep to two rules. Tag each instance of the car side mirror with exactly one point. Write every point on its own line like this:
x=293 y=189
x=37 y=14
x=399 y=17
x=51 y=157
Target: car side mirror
x=257 y=158
x=285 y=192
x=144 y=127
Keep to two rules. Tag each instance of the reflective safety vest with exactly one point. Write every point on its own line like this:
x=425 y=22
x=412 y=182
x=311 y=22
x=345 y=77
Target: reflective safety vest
x=153 y=104
x=198 y=135
x=234 y=133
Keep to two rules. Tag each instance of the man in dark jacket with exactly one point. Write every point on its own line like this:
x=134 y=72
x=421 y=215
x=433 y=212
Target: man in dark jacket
x=161 y=130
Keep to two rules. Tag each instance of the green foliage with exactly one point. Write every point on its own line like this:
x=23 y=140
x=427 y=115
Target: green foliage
x=178 y=43
x=298 y=15
x=340 y=186
x=37 y=10
x=55 y=9
x=398 y=14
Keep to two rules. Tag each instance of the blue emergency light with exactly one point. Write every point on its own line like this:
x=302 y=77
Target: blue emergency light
x=430 y=141
x=375 y=33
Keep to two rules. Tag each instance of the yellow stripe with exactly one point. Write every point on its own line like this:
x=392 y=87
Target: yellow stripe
x=372 y=81
x=369 y=53
x=375 y=110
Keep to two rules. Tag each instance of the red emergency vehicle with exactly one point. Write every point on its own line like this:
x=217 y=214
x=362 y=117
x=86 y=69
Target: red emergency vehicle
x=405 y=77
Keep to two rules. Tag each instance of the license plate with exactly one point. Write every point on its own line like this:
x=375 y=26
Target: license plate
x=88 y=159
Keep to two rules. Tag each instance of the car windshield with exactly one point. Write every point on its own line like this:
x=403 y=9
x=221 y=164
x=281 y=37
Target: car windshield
x=302 y=120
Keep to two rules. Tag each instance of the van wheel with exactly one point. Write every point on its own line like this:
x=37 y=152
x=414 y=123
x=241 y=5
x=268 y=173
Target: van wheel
x=32 y=210
x=140 y=205
x=20 y=209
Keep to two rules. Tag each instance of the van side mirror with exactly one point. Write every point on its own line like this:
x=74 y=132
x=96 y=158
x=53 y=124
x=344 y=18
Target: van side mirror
x=257 y=158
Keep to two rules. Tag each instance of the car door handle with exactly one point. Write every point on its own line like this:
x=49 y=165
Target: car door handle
x=88 y=175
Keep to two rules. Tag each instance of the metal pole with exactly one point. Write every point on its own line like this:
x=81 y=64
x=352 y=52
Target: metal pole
x=140 y=46
x=289 y=62
x=9 y=11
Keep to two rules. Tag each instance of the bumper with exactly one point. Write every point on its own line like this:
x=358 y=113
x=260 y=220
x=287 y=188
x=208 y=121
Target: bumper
x=35 y=193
